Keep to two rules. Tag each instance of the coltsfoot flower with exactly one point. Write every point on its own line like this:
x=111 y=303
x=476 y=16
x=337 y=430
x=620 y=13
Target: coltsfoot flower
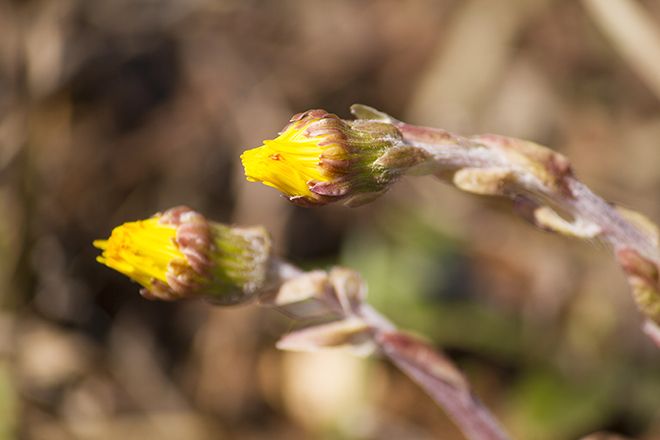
x=319 y=158
x=180 y=254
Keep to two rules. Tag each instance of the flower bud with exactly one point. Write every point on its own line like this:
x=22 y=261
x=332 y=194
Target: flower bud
x=180 y=254
x=319 y=158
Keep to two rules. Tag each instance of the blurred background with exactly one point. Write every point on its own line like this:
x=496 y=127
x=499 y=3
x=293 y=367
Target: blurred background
x=113 y=110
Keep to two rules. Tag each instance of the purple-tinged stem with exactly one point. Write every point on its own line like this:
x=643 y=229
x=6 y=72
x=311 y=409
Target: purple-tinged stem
x=540 y=180
x=429 y=370
x=340 y=292
x=436 y=375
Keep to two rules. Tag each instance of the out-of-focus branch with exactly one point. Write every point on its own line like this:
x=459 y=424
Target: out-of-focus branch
x=633 y=33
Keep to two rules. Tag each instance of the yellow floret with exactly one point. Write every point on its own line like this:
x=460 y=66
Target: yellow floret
x=142 y=250
x=287 y=163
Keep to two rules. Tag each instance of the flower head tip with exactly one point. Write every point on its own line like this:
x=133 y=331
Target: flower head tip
x=319 y=158
x=181 y=254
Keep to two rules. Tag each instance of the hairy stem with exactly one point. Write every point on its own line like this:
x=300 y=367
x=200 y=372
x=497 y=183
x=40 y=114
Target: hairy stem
x=546 y=192
x=341 y=293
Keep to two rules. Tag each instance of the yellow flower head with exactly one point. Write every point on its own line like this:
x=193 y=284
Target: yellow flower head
x=143 y=250
x=318 y=158
x=180 y=254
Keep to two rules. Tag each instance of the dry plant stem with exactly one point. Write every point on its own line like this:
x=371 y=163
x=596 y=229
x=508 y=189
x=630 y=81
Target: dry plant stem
x=341 y=293
x=546 y=192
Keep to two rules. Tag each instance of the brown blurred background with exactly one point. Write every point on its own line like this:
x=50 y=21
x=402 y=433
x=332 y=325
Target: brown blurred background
x=112 y=110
